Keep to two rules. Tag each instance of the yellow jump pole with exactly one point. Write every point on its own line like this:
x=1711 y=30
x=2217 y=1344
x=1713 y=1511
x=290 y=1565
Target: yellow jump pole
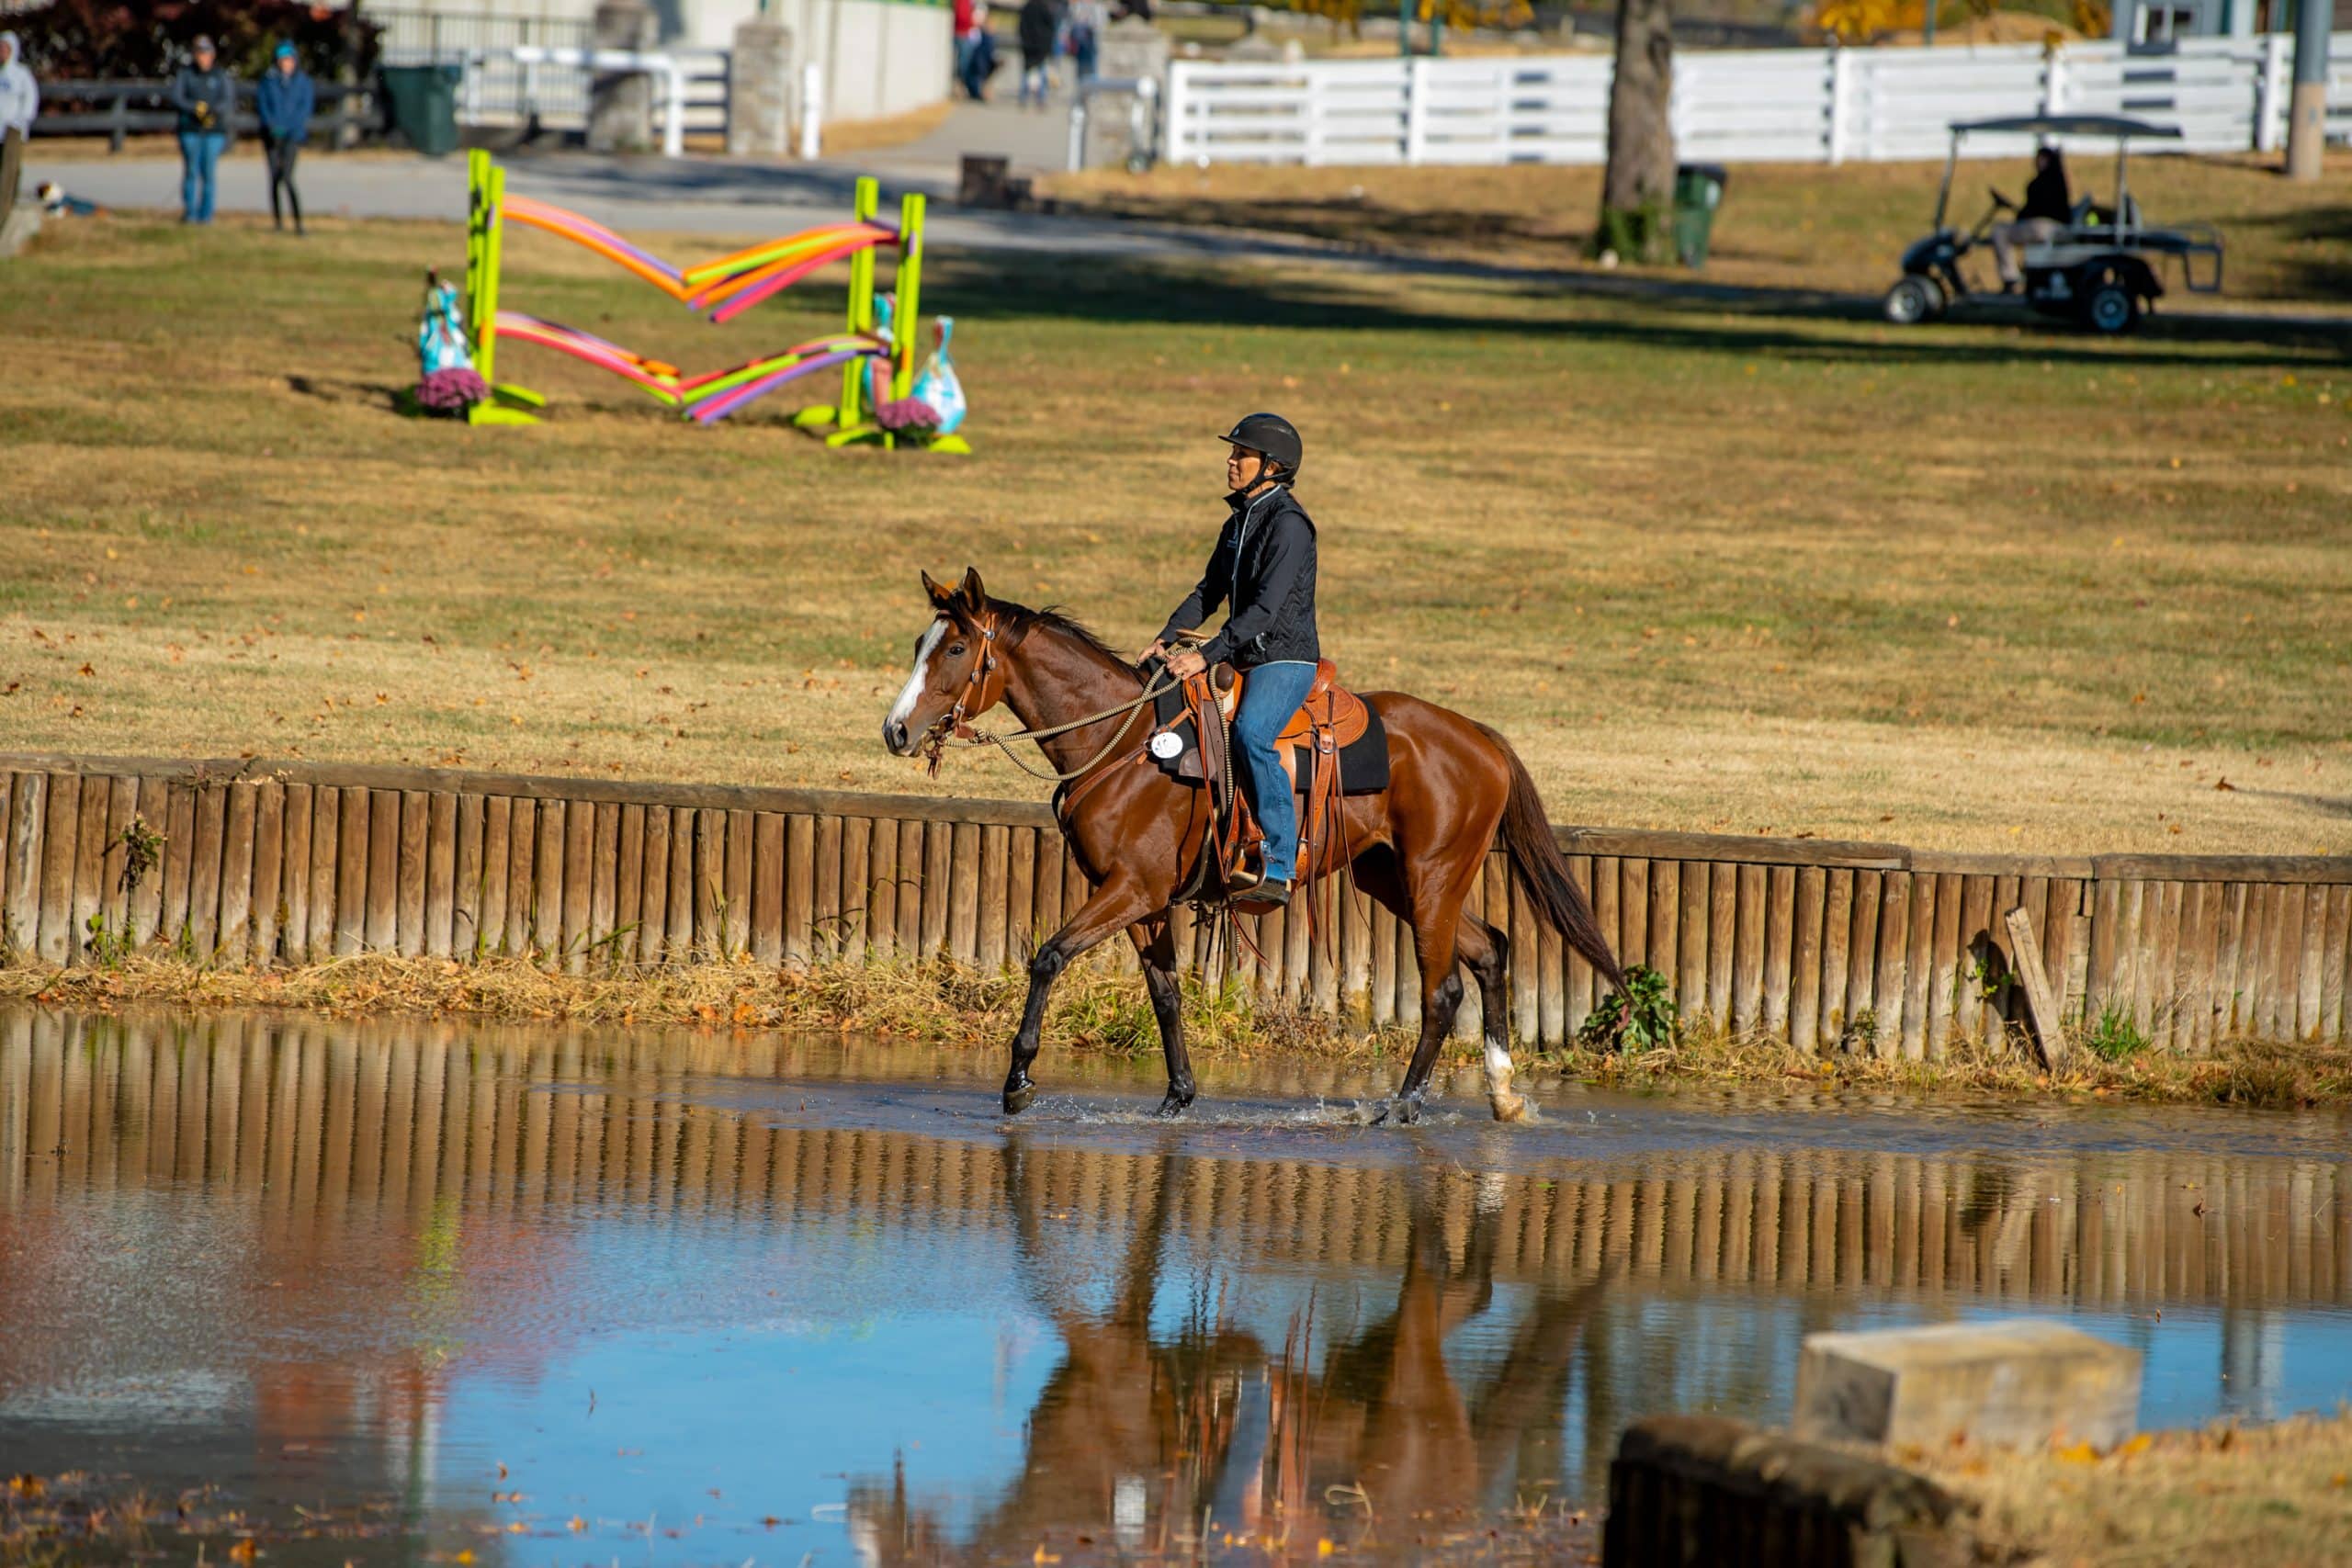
x=909 y=287
x=859 y=318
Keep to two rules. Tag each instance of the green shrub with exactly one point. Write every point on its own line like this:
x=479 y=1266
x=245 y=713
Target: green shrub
x=2115 y=1036
x=1642 y=1017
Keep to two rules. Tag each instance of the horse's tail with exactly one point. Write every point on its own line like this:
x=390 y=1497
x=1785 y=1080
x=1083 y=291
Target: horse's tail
x=1535 y=856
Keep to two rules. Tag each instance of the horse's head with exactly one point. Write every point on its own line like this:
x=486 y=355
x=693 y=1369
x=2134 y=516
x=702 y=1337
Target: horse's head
x=958 y=670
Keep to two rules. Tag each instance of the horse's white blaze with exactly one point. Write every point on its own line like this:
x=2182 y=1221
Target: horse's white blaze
x=912 y=692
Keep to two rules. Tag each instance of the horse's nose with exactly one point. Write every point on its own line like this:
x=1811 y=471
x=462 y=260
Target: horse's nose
x=894 y=736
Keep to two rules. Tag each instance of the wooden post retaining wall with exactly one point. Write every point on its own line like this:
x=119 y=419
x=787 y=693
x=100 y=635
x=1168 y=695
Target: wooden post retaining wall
x=1889 y=950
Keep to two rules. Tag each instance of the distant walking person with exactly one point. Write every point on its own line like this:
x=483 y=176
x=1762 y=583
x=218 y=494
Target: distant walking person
x=283 y=105
x=1040 y=20
x=19 y=101
x=1087 y=20
x=206 y=97
x=2049 y=209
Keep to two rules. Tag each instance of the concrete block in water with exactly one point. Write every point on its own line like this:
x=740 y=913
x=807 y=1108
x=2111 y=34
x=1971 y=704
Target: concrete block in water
x=2013 y=1385
x=1707 y=1491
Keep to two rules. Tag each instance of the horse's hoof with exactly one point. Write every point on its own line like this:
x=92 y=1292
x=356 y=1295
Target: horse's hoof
x=1405 y=1110
x=1017 y=1098
x=1511 y=1108
x=1172 y=1107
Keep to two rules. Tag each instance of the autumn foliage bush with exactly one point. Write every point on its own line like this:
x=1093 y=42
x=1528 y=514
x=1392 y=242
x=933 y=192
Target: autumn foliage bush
x=96 y=40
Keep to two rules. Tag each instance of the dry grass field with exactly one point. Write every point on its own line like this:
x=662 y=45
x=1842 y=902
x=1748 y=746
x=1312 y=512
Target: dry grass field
x=1727 y=566
x=1793 y=226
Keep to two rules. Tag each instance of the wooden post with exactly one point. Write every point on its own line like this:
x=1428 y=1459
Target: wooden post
x=522 y=877
x=466 y=877
x=382 y=909
x=799 y=890
x=827 y=910
x=326 y=866
x=88 y=893
x=604 y=885
x=963 y=892
x=295 y=936
x=269 y=869
x=415 y=831
x=548 y=887
x=60 y=836
x=882 y=890
x=767 y=887
x=2045 y=1007
x=579 y=884
x=489 y=933
x=204 y=870
x=237 y=873
x=653 y=894
x=735 y=934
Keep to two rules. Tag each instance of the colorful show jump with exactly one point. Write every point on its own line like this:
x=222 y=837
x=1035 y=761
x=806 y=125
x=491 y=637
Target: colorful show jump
x=875 y=350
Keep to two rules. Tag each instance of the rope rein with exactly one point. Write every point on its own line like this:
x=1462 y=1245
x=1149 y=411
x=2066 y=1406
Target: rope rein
x=953 y=730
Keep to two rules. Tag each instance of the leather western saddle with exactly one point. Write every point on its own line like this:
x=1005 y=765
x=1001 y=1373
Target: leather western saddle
x=1330 y=718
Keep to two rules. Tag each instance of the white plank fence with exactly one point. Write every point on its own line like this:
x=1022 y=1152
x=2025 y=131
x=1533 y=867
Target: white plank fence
x=1744 y=105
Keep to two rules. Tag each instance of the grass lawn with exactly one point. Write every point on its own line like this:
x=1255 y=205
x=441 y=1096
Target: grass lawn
x=1800 y=226
x=1710 y=566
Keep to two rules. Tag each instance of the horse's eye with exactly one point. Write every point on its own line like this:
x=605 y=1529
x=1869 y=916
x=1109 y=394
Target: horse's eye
x=957 y=651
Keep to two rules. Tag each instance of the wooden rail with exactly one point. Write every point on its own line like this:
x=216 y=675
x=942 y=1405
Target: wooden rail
x=1873 y=947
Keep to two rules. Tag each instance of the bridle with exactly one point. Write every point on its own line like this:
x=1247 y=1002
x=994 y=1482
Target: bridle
x=984 y=688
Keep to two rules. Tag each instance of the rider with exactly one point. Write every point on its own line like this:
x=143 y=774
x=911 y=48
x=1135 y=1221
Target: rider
x=1263 y=569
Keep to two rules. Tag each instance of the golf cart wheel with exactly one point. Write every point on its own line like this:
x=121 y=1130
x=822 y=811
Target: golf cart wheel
x=2110 y=307
x=1912 y=300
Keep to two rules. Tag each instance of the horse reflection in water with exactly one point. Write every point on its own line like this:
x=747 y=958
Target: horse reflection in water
x=1138 y=1436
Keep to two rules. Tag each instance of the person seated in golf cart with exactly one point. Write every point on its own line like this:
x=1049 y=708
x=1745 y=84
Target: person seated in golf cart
x=2049 y=209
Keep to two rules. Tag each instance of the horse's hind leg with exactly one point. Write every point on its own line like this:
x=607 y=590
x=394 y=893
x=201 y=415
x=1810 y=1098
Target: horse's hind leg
x=1486 y=950
x=1156 y=946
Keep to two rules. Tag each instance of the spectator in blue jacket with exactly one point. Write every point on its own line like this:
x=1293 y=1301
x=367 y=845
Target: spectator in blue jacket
x=283 y=106
x=206 y=97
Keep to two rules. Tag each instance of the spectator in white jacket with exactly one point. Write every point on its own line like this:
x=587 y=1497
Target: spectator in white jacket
x=19 y=101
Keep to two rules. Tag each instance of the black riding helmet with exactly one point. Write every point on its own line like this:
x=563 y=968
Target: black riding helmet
x=1271 y=437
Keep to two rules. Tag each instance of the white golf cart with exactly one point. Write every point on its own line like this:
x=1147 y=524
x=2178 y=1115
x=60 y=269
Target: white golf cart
x=2100 y=269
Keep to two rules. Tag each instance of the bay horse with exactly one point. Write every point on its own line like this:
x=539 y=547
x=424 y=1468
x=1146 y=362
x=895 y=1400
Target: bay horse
x=1419 y=846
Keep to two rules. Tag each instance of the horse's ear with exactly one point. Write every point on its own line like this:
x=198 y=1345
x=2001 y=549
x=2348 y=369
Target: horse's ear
x=940 y=593
x=974 y=596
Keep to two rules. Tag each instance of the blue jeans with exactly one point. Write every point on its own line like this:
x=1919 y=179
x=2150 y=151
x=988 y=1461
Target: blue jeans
x=1271 y=695
x=199 y=155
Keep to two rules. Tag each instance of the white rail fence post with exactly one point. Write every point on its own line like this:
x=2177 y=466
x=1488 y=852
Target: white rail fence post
x=1834 y=130
x=2054 y=79
x=2270 y=93
x=1417 y=109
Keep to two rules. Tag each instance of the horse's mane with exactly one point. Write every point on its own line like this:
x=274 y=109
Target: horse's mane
x=1023 y=620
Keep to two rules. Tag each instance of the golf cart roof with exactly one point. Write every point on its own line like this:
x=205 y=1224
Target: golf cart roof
x=2069 y=125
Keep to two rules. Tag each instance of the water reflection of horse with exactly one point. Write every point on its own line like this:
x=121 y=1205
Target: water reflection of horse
x=1141 y=1433
x=1419 y=846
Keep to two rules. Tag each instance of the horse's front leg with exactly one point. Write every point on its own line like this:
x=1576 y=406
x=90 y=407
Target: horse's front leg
x=1156 y=946
x=1117 y=903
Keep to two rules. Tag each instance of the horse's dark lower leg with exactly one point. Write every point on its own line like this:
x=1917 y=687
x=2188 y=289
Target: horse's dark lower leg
x=1112 y=906
x=1156 y=946
x=1440 y=1003
x=1486 y=950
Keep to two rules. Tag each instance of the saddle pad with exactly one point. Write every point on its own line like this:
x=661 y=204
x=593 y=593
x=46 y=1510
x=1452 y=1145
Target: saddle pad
x=1363 y=763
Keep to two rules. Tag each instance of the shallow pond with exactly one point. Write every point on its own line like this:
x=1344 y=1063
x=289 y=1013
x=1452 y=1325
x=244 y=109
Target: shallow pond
x=551 y=1295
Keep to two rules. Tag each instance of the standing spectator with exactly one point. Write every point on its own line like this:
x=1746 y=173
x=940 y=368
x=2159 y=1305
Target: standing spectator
x=967 y=44
x=1040 y=20
x=283 y=105
x=19 y=101
x=206 y=97
x=1087 y=20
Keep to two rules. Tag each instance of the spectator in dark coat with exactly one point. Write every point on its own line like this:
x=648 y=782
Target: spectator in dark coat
x=283 y=105
x=1040 y=21
x=206 y=97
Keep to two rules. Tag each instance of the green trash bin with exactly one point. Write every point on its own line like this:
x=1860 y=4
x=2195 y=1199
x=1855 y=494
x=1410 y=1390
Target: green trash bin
x=421 y=105
x=1698 y=191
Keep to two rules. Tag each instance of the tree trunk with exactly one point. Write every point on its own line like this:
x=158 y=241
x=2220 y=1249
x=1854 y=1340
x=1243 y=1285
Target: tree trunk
x=1638 y=194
